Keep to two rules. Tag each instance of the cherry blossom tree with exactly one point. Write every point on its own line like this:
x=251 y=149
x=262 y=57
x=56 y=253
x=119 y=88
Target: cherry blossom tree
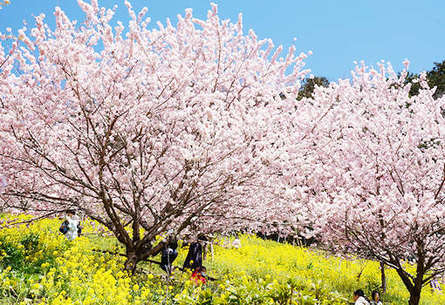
x=170 y=130
x=376 y=187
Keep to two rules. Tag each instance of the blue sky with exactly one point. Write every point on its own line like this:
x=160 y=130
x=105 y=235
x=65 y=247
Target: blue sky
x=337 y=31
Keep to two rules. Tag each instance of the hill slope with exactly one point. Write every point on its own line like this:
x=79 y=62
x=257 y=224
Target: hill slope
x=39 y=266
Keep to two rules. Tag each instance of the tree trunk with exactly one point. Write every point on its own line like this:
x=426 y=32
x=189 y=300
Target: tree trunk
x=137 y=253
x=414 y=287
x=414 y=297
x=383 y=277
x=131 y=262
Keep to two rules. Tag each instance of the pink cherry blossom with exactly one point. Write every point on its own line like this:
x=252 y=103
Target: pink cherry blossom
x=177 y=129
x=376 y=182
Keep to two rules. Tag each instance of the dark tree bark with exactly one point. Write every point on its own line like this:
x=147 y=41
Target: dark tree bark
x=383 y=276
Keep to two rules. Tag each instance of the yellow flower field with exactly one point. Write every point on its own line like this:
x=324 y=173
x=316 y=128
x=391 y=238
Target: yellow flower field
x=39 y=266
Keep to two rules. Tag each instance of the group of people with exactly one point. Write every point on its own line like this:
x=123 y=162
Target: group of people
x=71 y=229
x=193 y=261
x=360 y=298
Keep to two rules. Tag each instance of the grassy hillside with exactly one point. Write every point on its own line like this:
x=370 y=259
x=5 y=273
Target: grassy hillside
x=39 y=266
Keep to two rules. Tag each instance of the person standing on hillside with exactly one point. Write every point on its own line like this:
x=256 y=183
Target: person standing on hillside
x=71 y=226
x=168 y=255
x=236 y=243
x=194 y=255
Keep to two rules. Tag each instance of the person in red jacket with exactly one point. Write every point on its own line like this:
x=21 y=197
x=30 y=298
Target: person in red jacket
x=199 y=275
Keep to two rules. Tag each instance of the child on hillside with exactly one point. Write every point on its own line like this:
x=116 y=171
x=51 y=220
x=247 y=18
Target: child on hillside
x=199 y=275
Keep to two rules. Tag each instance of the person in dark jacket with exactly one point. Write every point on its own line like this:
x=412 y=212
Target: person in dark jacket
x=194 y=256
x=168 y=255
